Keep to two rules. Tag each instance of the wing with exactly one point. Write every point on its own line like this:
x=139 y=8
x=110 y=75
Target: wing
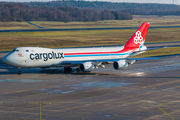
x=76 y=63
x=159 y=47
x=104 y=60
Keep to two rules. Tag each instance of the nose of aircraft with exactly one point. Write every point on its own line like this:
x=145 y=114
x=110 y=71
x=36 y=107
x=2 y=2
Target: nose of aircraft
x=4 y=59
x=7 y=59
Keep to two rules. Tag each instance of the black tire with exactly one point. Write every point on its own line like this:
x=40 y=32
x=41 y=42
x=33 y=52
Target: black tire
x=67 y=69
x=19 y=72
x=77 y=69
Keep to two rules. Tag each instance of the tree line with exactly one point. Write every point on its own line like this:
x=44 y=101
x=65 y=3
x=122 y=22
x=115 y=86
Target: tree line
x=133 y=8
x=24 y=12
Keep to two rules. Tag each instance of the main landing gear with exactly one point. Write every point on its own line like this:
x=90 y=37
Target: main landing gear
x=19 y=71
x=67 y=69
x=77 y=69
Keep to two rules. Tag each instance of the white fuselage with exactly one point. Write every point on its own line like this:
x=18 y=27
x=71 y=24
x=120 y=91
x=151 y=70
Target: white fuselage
x=45 y=57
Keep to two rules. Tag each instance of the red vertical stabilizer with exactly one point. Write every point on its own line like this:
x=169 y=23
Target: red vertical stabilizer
x=138 y=37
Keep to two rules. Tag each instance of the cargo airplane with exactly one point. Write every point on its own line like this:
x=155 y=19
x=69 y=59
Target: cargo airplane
x=85 y=59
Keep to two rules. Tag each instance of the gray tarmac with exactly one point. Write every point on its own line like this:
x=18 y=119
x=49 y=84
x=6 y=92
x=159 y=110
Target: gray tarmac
x=147 y=90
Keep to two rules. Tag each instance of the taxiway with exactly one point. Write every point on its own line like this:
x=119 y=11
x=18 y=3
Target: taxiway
x=80 y=29
x=147 y=90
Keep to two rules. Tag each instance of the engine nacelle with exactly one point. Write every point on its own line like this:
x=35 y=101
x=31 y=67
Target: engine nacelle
x=120 y=65
x=86 y=67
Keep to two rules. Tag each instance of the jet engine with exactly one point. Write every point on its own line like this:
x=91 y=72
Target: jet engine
x=86 y=67
x=120 y=65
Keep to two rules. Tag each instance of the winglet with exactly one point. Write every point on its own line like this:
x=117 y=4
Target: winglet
x=139 y=36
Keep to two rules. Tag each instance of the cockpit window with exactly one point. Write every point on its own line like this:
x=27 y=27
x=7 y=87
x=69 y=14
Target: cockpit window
x=15 y=50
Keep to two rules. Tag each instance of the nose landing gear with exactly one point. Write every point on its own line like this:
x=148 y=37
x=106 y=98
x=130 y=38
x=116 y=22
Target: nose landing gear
x=19 y=71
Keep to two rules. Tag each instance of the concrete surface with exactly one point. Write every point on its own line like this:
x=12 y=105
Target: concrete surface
x=147 y=90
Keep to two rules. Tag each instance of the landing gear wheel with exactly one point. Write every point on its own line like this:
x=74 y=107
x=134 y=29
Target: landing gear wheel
x=77 y=69
x=19 y=71
x=67 y=69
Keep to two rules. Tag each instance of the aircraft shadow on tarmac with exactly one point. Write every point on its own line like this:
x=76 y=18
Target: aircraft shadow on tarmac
x=13 y=70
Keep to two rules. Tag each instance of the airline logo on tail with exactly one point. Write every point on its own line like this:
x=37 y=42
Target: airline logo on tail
x=138 y=38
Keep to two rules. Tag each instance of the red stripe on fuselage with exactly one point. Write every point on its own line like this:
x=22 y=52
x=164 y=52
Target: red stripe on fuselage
x=125 y=50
